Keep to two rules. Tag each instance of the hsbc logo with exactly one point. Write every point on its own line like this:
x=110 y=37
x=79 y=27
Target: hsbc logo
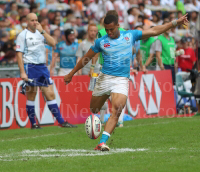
x=153 y=106
x=14 y=110
x=149 y=94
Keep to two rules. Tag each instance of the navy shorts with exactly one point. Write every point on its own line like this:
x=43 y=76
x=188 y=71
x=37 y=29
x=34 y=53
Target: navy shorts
x=39 y=74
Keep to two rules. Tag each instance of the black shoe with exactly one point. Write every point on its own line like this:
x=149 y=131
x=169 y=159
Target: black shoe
x=68 y=125
x=35 y=126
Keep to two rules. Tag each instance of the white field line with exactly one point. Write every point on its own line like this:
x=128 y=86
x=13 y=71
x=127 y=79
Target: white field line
x=46 y=135
x=27 y=155
x=47 y=153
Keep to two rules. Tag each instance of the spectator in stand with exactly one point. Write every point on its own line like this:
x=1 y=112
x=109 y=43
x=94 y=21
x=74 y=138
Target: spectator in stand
x=51 y=15
x=155 y=19
x=121 y=6
x=3 y=5
x=13 y=7
x=9 y=58
x=57 y=35
x=155 y=2
x=13 y=18
x=133 y=14
x=193 y=21
x=76 y=5
x=22 y=25
x=96 y=10
x=188 y=59
x=198 y=4
x=4 y=38
x=25 y=11
x=180 y=6
x=79 y=24
x=109 y=5
x=167 y=2
x=69 y=14
x=160 y=21
x=180 y=14
x=44 y=12
x=165 y=49
x=43 y=21
x=41 y=4
x=172 y=16
x=34 y=8
x=146 y=12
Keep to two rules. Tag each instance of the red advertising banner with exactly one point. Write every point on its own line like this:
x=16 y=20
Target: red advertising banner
x=150 y=95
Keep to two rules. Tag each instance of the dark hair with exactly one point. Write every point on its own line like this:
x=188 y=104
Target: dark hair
x=33 y=6
x=12 y=3
x=180 y=12
x=21 y=18
x=129 y=10
x=166 y=20
x=69 y=11
x=113 y=12
x=110 y=19
x=68 y=32
x=141 y=4
x=139 y=26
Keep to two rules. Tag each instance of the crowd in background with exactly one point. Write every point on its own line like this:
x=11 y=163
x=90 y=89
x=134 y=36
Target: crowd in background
x=56 y=16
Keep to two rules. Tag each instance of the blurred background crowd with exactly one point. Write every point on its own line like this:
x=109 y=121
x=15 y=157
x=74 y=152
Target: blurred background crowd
x=56 y=16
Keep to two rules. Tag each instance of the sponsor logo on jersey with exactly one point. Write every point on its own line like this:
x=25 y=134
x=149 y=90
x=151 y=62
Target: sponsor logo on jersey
x=106 y=45
x=126 y=38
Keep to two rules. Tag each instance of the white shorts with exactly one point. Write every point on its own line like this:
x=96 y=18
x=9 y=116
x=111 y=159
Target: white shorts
x=107 y=84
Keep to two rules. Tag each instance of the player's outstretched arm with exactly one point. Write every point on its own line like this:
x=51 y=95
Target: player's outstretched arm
x=86 y=58
x=157 y=30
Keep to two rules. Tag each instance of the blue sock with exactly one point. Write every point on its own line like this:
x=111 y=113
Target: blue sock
x=30 y=109
x=105 y=136
x=53 y=107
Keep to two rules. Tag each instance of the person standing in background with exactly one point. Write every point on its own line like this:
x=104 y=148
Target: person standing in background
x=188 y=59
x=67 y=52
x=32 y=64
x=165 y=50
x=84 y=47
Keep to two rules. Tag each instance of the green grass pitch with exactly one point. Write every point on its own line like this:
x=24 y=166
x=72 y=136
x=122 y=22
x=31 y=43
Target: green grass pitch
x=143 y=145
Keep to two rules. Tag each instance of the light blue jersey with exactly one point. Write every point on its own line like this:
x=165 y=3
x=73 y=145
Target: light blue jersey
x=117 y=52
x=50 y=51
x=67 y=54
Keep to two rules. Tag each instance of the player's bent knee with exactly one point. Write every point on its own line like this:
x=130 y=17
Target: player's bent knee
x=118 y=107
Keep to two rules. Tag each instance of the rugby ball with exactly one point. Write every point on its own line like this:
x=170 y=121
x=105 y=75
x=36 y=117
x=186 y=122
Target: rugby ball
x=93 y=127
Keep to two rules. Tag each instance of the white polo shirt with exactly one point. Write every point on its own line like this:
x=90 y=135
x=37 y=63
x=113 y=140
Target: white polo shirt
x=32 y=45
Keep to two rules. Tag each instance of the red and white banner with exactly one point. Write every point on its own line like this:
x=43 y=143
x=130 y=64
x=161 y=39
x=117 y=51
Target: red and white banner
x=150 y=95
